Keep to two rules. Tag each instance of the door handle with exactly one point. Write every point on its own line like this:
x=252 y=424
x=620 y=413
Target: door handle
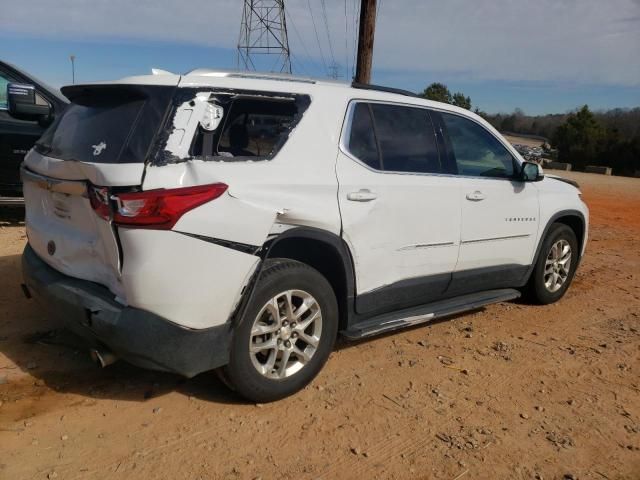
x=362 y=195
x=475 y=196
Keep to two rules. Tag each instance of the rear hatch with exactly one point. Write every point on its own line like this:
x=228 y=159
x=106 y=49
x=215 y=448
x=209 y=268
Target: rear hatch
x=99 y=145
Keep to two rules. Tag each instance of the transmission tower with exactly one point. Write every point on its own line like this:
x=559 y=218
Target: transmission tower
x=263 y=31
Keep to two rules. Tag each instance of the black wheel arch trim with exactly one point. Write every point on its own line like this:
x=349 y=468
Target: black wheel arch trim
x=308 y=233
x=551 y=221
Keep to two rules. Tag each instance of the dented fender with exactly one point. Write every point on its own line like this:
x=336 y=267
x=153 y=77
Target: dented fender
x=233 y=217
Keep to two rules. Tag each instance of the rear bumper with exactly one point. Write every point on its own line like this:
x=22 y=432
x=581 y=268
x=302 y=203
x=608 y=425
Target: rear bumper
x=137 y=336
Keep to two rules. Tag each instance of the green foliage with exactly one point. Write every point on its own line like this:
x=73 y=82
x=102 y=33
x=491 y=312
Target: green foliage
x=579 y=139
x=582 y=138
x=459 y=100
x=437 y=92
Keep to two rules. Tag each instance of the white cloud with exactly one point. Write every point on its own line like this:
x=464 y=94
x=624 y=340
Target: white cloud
x=577 y=41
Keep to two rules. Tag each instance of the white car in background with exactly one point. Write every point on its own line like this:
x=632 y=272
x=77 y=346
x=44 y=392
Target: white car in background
x=169 y=230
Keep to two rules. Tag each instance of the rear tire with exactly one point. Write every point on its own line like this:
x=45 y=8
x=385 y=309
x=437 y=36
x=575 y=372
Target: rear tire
x=556 y=266
x=286 y=334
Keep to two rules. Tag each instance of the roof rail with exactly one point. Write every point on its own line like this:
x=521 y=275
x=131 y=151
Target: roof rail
x=380 y=88
x=282 y=77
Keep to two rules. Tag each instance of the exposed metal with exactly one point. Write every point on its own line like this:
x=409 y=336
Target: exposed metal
x=103 y=358
x=285 y=334
x=263 y=32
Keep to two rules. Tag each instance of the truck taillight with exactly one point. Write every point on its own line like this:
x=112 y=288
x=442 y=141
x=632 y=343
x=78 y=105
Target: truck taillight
x=161 y=209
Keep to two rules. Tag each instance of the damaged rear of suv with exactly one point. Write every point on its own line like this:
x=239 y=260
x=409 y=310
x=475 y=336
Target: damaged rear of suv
x=239 y=221
x=149 y=208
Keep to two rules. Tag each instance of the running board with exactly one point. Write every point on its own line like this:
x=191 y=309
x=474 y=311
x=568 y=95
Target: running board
x=426 y=313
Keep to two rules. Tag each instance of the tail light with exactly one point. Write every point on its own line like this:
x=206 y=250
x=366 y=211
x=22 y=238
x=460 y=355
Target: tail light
x=161 y=209
x=99 y=199
x=154 y=209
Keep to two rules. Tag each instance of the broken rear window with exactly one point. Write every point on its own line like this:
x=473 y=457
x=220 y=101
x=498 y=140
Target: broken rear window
x=237 y=126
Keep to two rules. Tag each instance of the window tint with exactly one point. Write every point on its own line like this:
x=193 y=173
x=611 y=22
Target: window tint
x=406 y=139
x=478 y=153
x=362 y=141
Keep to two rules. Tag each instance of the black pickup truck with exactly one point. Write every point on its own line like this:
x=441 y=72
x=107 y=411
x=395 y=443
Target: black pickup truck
x=22 y=124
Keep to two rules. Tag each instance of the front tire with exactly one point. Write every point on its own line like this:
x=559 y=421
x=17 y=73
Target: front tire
x=286 y=334
x=555 y=267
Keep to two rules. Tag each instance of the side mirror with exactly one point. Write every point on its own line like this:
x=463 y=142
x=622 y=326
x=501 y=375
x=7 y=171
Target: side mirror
x=25 y=104
x=531 y=172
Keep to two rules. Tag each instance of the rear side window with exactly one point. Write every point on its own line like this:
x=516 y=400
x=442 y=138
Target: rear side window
x=253 y=127
x=362 y=140
x=256 y=127
x=478 y=153
x=406 y=139
x=107 y=124
x=394 y=138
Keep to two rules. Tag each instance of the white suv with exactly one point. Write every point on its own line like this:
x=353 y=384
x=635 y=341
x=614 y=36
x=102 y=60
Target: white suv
x=186 y=223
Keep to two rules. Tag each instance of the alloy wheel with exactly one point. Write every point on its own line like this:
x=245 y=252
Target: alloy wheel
x=557 y=265
x=285 y=334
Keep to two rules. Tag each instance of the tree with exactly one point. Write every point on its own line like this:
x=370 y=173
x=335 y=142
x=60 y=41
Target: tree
x=579 y=139
x=459 y=100
x=437 y=92
x=609 y=138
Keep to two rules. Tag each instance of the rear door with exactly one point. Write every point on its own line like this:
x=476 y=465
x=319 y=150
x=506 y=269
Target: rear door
x=499 y=212
x=400 y=217
x=98 y=145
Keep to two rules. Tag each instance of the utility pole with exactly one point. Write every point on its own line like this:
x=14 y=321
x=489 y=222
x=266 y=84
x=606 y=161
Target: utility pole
x=73 y=68
x=365 y=40
x=263 y=31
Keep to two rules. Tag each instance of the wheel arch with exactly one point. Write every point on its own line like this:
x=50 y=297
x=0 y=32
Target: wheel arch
x=575 y=220
x=327 y=253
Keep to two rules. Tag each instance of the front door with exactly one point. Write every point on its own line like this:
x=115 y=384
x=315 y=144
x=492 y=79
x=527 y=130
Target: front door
x=499 y=212
x=400 y=218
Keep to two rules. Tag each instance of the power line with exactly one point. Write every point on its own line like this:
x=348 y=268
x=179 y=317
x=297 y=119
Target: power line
x=346 y=41
x=304 y=46
x=326 y=26
x=317 y=36
x=334 y=68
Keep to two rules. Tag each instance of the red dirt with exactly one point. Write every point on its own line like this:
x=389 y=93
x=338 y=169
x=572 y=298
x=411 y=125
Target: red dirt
x=512 y=391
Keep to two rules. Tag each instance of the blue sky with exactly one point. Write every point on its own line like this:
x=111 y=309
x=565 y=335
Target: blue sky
x=544 y=57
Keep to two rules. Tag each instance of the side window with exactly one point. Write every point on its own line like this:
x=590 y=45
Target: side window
x=362 y=140
x=406 y=139
x=404 y=136
x=256 y=128
x=478 y=153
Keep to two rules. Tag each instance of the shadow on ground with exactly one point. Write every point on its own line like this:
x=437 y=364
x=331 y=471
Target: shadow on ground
x=43 y=358
x=11 y=216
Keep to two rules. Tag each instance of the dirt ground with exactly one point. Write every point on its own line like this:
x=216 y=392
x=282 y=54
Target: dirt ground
x=509 y=392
